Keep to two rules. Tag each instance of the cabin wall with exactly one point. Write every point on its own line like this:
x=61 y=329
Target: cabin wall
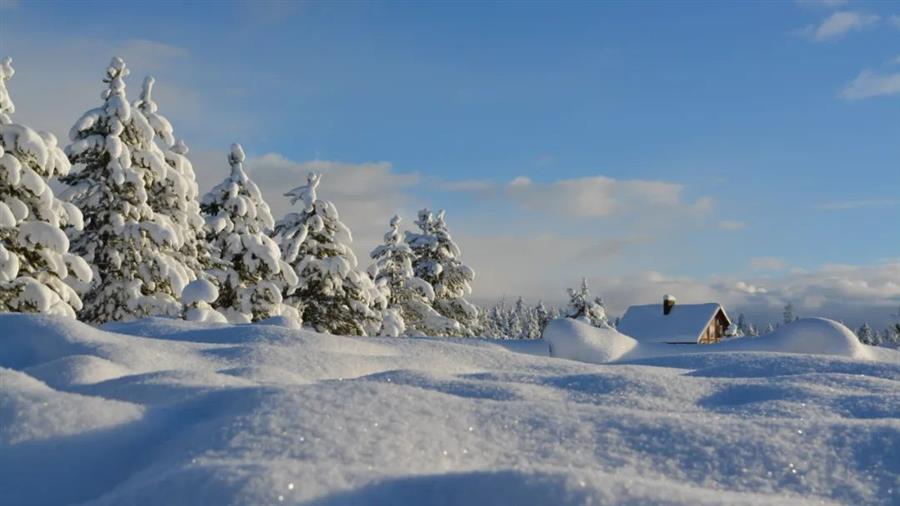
x=716 y=329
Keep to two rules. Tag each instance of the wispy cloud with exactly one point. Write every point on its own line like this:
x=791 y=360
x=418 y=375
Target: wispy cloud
x=8 y=5
x=870 y=84
x=894 y=21
x=588 y=197
x=856 y=204
x=839 y=24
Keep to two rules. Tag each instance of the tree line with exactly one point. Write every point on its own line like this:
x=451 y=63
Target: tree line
x=129 y=236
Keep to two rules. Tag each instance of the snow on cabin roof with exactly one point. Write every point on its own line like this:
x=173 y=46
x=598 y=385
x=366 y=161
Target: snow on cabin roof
x=684 y=324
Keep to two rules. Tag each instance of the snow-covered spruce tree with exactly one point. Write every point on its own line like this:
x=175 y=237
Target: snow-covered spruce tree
x=437 y=262
x=174 y=199
x=251 y=276
x=734 y=330
x=333 y=295
x=865 y=334
x=35 y=263
x=133 y=255
x=788 y=314
x=583 y=308
x=409 y=296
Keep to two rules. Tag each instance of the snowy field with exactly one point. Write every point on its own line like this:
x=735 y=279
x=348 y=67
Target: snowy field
x=165 y=412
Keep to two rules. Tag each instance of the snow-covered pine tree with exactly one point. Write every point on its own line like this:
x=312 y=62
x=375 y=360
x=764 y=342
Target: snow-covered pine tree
x=409 y=296
x=251 y=276
x=770 y=327
x=135 y=271
x=582 y=307
x=437 y=262
x=865 y=334
x=742 y=324
x=734 y=330
x=174 y=199
x=788 y=314
x=543 y=317
x=518 y=319
x=333 y=295
x=35 y=263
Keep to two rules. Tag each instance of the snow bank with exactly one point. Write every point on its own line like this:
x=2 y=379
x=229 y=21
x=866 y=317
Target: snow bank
x=809 y=335
x=31 y=411
x=180 y=413
x=577 y=340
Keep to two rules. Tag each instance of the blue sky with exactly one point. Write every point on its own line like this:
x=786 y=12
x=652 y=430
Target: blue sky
x=687 y=146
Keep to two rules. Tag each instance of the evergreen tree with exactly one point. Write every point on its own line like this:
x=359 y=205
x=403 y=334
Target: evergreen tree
x=410 y=297
x=114 y=149
x=742 y=325
x=252 y=276
x=333 y=295
x=582 y=307
x=35 y=263
x=865 y=334
x=174 y=199
x=789 y=313
x=769 y=328
x=437 y=263
x=542 y=315
x=734 y=330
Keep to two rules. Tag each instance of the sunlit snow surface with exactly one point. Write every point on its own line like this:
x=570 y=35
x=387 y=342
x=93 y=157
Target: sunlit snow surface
x=256 y=415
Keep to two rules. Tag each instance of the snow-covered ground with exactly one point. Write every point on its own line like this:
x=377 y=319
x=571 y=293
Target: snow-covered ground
x=168 y=412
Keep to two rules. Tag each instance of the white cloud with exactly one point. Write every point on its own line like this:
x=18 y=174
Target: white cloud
x=768 y=264
x=589 y=197
x=839 y=24
x=872 y=84
x=741 y=286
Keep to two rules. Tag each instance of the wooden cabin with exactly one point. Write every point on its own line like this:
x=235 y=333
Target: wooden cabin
x=675 y=324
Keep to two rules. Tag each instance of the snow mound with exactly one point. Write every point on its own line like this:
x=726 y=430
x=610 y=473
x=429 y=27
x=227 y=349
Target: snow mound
x=76 y=370
x=808 y=335
x=32 y=411
x=576 y=340
x=199 y=290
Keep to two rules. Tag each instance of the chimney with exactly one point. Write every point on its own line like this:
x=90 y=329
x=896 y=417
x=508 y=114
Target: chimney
x=668 y=304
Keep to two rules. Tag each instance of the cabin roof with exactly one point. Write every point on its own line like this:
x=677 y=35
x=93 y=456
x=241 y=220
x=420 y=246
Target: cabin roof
x=684 y=324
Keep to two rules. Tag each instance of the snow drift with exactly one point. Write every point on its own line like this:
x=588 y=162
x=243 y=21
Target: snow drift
x=180 y=413
x=576 y=340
